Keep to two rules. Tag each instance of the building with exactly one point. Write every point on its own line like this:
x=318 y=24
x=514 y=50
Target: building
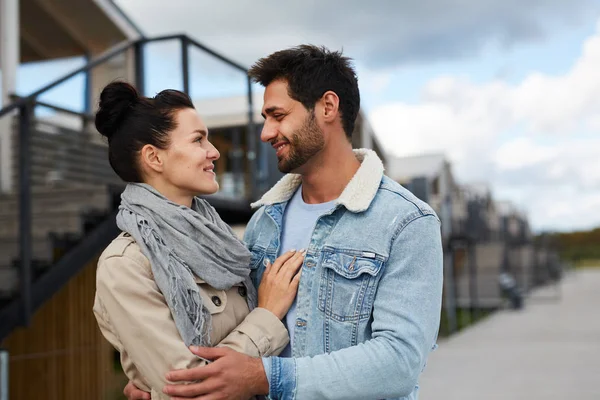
x=485 y=240
x=59 y=197
x=430 y=178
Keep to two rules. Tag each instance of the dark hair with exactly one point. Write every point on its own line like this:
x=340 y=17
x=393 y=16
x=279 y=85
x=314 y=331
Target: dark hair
x=310 y=71
x=131 y=121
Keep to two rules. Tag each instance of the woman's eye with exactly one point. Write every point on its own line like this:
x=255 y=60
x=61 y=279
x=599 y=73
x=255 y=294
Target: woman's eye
x=199 y=139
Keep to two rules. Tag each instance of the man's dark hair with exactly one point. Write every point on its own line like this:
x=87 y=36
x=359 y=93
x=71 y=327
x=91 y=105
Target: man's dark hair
x=310 y=71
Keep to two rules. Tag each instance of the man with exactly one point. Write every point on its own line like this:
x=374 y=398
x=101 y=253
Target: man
x=367 y=311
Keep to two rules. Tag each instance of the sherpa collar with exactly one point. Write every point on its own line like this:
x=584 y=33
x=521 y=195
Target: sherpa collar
x=357 y=195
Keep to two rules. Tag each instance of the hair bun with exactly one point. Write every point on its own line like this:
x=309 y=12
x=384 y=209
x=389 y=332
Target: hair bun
x=116 y=101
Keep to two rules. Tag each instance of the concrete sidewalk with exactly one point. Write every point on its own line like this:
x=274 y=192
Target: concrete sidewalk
x=548 y=351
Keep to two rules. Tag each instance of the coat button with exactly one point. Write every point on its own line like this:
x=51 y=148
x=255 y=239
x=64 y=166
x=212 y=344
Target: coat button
x=242 y=291
x=216 y=300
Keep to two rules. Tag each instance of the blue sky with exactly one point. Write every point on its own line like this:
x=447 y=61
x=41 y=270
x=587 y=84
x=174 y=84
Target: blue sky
x=469 y=82
x=552 y=56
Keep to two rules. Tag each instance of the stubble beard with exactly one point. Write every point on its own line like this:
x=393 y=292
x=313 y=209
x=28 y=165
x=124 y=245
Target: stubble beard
x=305 y=142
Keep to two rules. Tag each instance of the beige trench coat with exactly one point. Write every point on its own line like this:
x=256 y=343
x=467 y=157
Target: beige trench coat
x=134 y=317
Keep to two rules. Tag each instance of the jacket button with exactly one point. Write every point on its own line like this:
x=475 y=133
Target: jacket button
x=242 y=291
x=216 y=300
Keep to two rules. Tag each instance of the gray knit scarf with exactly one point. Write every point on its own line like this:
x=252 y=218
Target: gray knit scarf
x=181 y=242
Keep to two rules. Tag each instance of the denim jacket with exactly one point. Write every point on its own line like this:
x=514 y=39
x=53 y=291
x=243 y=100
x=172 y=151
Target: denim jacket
x=368 y=305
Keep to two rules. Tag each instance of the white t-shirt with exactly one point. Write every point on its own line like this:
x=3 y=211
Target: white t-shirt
x=299 y=220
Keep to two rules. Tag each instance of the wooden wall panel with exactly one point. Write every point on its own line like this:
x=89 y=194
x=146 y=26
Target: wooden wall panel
x=62 y=355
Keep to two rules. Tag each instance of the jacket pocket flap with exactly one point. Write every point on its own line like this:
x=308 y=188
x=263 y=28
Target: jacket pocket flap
x=351 y=265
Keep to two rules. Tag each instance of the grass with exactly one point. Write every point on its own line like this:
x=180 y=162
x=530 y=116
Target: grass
x=465 y=317
x=587 y=264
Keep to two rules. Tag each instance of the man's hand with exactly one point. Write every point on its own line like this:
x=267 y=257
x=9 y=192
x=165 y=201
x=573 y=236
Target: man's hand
x=232 y=375
x=133 y=393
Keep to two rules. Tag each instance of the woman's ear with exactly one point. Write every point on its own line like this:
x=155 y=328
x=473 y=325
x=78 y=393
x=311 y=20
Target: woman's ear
x=151 y=158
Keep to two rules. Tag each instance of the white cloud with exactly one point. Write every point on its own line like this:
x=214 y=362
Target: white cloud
x=560 y=104
x=536 y=142
x=523 y=152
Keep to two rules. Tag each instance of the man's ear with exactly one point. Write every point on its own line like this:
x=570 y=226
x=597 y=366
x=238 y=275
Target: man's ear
x=330 y=105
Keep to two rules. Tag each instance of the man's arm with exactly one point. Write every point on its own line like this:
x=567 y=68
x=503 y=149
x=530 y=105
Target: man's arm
x=142 y=324
x=405 y=323
x=406 y=316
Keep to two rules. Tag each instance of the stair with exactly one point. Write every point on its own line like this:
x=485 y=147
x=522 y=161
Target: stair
x=56 y=213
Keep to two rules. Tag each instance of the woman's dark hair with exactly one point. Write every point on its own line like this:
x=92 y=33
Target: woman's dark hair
x=310 y=71
x=130 y=121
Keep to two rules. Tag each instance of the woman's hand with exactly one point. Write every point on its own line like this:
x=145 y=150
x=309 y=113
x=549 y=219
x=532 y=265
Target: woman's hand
x=279 y=284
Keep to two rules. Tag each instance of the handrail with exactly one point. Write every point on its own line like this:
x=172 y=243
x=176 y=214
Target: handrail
x=64 y=110
x=114 y=51
x=215 y=54
x=110 y=53
x=29 y=299
x=48 y=284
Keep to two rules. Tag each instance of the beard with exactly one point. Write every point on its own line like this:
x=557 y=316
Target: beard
x=305 y=142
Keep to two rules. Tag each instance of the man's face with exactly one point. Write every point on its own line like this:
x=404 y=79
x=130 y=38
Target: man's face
x=291 y=129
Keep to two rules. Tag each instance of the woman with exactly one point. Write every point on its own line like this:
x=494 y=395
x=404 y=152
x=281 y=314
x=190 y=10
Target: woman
x=177 y=275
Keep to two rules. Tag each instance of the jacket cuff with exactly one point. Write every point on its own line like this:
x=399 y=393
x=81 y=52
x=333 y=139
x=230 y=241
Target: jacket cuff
x=266 y=331
x=281 y=374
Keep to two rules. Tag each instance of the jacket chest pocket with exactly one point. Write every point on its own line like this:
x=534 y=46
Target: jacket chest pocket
x=348 y=283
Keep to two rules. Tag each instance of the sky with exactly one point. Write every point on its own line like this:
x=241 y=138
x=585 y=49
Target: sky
x=508 y=90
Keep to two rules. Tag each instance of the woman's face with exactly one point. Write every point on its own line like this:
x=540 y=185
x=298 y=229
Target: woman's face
x=188 y=161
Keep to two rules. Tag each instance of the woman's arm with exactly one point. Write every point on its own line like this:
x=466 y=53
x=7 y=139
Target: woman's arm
x=141 y=322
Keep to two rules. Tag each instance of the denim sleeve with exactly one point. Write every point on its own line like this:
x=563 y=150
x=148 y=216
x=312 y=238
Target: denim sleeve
x=267 y=366
x=406 y=316
x=281 y=374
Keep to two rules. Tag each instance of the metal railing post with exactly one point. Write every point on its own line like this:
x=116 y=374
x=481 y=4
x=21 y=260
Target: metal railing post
x=237 y=155
x=3 y=374
x=139 y=66
x=450 y=290
x=251 y=144
x=25 y=208
x=185 y=64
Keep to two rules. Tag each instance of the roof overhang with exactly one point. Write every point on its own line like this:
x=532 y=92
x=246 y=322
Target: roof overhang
x=51 y=29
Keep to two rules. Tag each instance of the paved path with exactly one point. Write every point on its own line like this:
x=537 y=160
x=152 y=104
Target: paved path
x=548 y=351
